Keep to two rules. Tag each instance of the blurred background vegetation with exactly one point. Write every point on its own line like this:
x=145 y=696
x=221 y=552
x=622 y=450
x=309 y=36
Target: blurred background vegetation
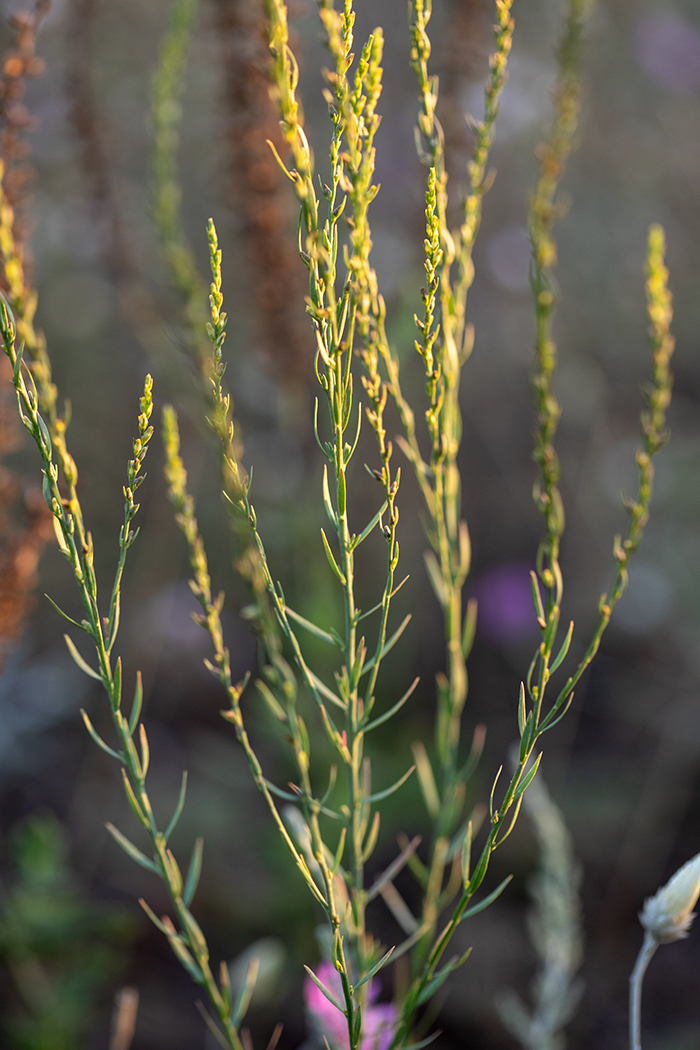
x=624 y=764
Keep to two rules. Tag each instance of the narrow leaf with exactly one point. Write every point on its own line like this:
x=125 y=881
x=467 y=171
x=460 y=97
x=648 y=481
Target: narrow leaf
x=328 y=994
x=193 y=872
x=98 y=739
x=153 y=917
x=65 y=616
x=325 y=691
x=311 y=627
x=332 y=516
x=487 y=900
x=178 y=808
x=390 y=791
x=398 y=908
x=388 y=645
x=469 y=629
x=375 y=969
x=435 y=577
x=271 y=700
x=392 y=710
x=246 y=993
x=426 y=779
x=82 y=664
x=561 y=655
x=440 y=978
x=368 y=529
x=331 y=559
x=394 y=868
x=522 y=713
x=380 y=605
x=132 y=850
x=528 y=778
x=137 y=704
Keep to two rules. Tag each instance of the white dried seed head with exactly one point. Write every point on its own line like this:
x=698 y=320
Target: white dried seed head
x=669 y=913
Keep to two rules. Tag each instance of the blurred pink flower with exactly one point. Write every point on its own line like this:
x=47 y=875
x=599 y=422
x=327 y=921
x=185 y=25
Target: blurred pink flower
x=378 y=1021
x=504 y=596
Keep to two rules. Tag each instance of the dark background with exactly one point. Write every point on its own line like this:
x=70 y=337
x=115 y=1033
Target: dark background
x=624 y=764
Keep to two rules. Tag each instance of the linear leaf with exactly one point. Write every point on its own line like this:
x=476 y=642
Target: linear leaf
x=388 y=645
x=561 y=655
x=426 y=779
x=487 y=900
x=435 y=577
x=137 y=704
x=82 y=664
x=440 y=977
x=65 y=616
x=392 y=710
x=328 y=994
x=311 y=627
x=132 y=850
x=246 y=993
x=379 y=605
x=178 y=808
x=375 y=969
x=390 y=791
x=528 y=778
x=327 y=499
x=98 y=739
x=154 y=918
x=325 y=691
x=194 y=870
x=357 y=540
x=331 y=560
x=398 y=908
x=394 y=868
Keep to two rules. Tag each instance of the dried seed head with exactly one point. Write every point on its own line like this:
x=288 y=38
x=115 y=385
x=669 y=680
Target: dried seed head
x=669 y=913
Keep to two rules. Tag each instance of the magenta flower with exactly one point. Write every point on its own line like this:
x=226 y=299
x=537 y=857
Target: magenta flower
x=378 y=1021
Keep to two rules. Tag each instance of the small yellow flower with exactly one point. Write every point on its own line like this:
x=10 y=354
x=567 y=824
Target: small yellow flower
x=667 y=915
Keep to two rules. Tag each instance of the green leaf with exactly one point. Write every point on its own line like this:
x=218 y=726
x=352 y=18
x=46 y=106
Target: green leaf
x=271 y=700
x=379 y=795
x=178 y=808
x=332 y=516
x=380 y=605
x=331 y=559
x=440 y=978
x=522 y=713
x=246 y=993
x=469 y=629
x=80 y=626
x=357 y=540
x=528 y=778
x=98 y=739
x=394 y=868
x=435 y=577
x=388 y=645
x=132 y=850
x=328 y=994
x=487 y=900
x=82 y=664
x=392 y=710
x=153 y=917
x=310 y=627
x=137 y=704
x=325 y=691
x=561 y=655
x=194 y=870
x=426 y=779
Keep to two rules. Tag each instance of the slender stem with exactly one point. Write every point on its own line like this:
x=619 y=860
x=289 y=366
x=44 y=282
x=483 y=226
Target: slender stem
x=649 y=946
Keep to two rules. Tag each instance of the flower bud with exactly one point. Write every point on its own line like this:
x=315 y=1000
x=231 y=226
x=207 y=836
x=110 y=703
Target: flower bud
x=667 y=915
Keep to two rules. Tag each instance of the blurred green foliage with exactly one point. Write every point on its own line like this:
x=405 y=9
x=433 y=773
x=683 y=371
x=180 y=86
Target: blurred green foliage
x=59 y=950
